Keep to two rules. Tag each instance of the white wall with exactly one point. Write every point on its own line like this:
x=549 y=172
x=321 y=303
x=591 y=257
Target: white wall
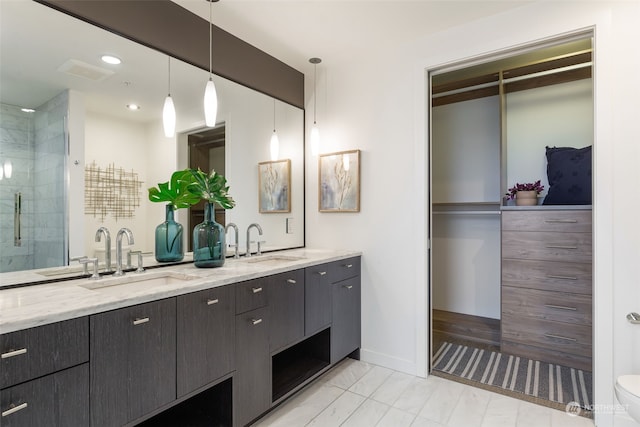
x=376 y=101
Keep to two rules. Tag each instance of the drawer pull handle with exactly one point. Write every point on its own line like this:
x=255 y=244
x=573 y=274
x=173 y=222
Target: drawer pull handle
x=634 y=318
x=322 y=273
x=256 y=290
x=553 y=276
x=14 y=409
x=141 y=321
x=212 y=301
x=13 y=353
x=561 y=247
x=561 y=307
x=348 y=286
x=560 y=337
x=292 y=281
x=256 y=321
x=561 y=221
x=348 y=265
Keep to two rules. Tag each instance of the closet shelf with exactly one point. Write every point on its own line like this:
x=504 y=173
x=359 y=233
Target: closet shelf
x=467 y=208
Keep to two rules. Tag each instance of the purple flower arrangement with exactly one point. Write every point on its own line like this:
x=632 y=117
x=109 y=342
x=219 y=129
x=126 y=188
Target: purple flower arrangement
x=535 y=186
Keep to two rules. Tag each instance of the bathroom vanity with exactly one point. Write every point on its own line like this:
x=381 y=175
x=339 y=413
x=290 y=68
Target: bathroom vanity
x=122 y=351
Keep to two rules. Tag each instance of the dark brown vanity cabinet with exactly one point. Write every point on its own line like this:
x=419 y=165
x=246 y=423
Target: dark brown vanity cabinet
x=133 y=362
x=44 y=375
x=317 y=298
x=205 y=337
x=252 y=380
x=345 y=329
x=285 y=293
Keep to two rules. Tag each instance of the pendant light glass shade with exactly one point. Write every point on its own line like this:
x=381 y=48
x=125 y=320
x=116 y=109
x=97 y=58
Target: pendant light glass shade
x=8 y=168
x=274 y=146
x=210 y=104
x=315 y=140
x=169 y=117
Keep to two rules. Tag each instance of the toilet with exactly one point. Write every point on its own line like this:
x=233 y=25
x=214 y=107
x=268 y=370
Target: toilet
x=628 y=394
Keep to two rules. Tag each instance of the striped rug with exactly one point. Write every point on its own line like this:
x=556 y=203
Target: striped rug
x=540 y=381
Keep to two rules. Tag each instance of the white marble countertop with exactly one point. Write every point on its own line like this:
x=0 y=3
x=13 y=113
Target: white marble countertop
x=36 y=305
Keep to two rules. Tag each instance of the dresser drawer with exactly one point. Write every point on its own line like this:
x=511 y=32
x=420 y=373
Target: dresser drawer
x=344 y=269
x=547 y=275
x=578 y=221
x=553 y=336
x=38 y=351
x=250 y=295
x=550 y=246
x=545 y=305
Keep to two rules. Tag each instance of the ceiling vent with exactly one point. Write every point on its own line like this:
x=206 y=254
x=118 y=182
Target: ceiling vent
x=87 y=71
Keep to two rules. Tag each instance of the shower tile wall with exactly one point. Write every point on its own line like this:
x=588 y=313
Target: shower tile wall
x=50 y=201
x=17 y=146
x=35 y=145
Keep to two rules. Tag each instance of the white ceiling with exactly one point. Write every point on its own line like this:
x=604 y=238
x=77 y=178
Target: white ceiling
x=296 y=30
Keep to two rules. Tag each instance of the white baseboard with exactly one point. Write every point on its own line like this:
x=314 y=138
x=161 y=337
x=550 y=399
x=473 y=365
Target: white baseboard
x=395 y=363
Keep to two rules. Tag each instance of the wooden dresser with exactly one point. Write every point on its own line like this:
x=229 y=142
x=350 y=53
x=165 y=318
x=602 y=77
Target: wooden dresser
x=547 y=285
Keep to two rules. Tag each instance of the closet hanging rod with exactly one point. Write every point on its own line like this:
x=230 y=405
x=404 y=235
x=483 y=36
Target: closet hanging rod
x=547 y=72
x=464 y=89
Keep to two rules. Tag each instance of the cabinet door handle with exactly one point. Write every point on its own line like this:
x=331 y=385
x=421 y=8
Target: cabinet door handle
x=561 y=221
x=561 y=247
x=256 y=290
x=554 y=276
x=322 y=273
x=212 y=301
x=140 y=321
x=560 y=337
x=256 y=321
x=347 y=286
x=561 y=307
x=13 y=353
x=14 y=409
x=292 y=281
x=348 y=265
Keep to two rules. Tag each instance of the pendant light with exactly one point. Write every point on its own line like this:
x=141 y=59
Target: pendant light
x=274 y=146
x=169 y=111
x=315 y=132
x=210 y=95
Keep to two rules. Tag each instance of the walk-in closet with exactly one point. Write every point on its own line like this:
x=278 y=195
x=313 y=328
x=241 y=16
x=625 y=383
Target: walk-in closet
x=508 y=279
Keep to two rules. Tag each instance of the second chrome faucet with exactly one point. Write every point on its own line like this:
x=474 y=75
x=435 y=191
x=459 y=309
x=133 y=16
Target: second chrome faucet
x=129 y=234
x=257 y=226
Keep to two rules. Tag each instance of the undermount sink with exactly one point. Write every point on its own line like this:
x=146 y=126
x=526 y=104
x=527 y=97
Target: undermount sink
x=139 y=281
x=272 y=259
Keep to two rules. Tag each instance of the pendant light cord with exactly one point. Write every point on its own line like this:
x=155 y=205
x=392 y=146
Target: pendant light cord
x=169 y=79
x=274 y=115
x=315 y=93
x=210 y=40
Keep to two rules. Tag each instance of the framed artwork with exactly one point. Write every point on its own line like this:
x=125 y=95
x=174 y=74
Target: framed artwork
x=274 y=186
x=339 y=182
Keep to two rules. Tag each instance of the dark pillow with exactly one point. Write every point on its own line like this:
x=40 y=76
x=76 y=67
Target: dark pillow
x=569 y=175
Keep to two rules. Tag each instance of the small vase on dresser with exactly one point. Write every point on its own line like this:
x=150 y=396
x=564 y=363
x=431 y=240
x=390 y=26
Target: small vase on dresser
x=527 y=198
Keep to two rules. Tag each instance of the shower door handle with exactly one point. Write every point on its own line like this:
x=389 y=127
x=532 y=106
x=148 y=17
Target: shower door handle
x=17 y=214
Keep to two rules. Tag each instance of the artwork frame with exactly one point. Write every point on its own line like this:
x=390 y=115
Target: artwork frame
x=339 y=187
x=274 y=186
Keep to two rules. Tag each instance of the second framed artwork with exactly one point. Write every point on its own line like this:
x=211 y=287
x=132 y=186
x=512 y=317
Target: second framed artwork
x=339 y=182
x=274 y=186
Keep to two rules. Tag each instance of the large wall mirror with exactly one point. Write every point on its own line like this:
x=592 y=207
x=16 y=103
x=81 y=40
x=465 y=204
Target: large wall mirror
x=83 y=160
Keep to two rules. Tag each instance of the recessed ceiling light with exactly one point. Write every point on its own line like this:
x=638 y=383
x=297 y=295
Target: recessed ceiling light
x=133 y=107
x=28 y=110
x=110 y=59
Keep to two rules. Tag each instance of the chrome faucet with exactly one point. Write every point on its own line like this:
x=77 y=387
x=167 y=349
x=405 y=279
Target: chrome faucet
x=129 y=235
x=254 y=225
x=235 y=245
x=107 y=246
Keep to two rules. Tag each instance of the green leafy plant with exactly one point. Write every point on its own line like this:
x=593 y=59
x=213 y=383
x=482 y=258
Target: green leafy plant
x=211 y=187
x=175 y=191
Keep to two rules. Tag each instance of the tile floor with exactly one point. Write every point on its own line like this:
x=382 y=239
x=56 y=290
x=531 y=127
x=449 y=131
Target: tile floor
x=356 y=394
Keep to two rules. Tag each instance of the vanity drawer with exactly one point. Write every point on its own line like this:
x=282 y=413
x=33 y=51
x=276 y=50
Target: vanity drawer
x=554 y=306
x=546 y=245
x=344 y=269
x=250 y=295
x=577 y=221
x=547 y=275
x=550 y=335
x=38 y=351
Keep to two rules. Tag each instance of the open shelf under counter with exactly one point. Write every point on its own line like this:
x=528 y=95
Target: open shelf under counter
x=466 y=208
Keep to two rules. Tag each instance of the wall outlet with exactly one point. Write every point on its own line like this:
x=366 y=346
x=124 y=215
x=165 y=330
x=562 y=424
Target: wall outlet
x=289 y=225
